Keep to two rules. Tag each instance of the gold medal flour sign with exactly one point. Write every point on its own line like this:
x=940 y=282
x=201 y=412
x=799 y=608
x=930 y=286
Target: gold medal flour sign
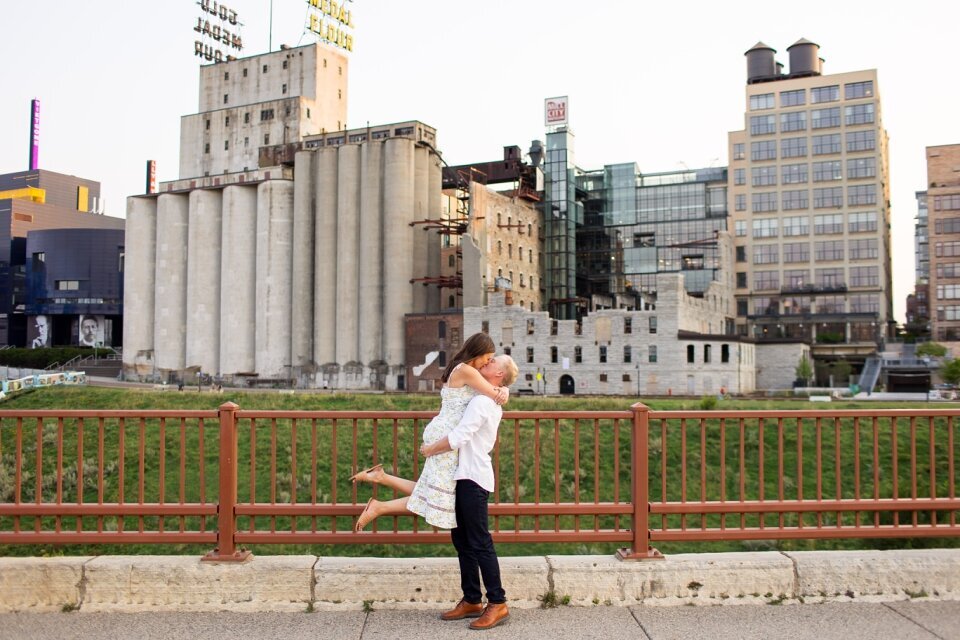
x=332 y=22
x=218 y=27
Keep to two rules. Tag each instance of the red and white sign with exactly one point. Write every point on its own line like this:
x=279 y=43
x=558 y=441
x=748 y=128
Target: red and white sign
x=555 y=111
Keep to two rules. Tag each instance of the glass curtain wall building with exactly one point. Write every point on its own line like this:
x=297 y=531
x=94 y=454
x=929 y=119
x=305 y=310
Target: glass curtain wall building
x=637 y=225
x=562 y=215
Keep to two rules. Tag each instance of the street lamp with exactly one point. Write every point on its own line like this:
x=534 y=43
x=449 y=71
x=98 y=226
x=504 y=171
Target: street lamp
x=638 y=379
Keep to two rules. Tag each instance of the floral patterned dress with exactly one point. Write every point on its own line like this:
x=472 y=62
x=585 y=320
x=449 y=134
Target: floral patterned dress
x=435 y=493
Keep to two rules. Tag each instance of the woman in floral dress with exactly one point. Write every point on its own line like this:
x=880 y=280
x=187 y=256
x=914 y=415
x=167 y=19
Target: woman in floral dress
x=433 y=495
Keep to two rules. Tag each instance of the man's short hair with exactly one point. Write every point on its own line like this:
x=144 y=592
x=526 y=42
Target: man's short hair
x=510 y=370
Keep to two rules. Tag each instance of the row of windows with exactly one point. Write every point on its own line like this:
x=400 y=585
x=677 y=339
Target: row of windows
x=948 y=270
x=948 y=292
x=510 y=251
x=823 y=198
x=825 y=224
x=285 y=64
x=819 y=119
x=602 y=354
x=707 y=353
x=947 y=225
x=797 y=305
x=798 y=97
x=798 y=278
x=627 y=326
x=265 y=115
x=947 y=203
x=797 y=147
x=824 y=171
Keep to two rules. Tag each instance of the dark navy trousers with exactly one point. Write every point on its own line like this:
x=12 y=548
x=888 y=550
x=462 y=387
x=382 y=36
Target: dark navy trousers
x=474 y=545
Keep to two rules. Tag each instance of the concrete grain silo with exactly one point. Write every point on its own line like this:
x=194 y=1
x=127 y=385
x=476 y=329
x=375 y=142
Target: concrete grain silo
x=139 y=279
x=325 y=253
x=304 y=218
x=273 y=277
x=203 y=281
x=370 y=295
x=170 y=327
x=238 y=269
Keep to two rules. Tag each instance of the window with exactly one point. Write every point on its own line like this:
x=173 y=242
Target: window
x=861 y=168
x=793 y=98
x=862 y=140
x=951 y=270
x=265 y=68
x=246 y=118
x=603 y=377
x=828 y=224
x=628 y=354
x=577 y=354
x=244 y=72
x=946 y=203
x=793 y=173
x=827 y=171
x=741 y=279
x=246 y=143
x=68 y=285
x=796 y=226
x=206 y=147
x=858 y=114
x=740 y=228
x=652 y=324
x=764 y=202
x=531 y=325
x=529 y=355
x=823 y=145
x=765 y=228
x=948 y=291
x=763 y=150
x=828 y=197
x=285 y=64
x=442 y=359
x=795 y=121
x=553 y=355
x=863 y=248
x=763 y=125
x=741 y=253
x=762 y=101
x=628 y=325
x=266 y=138
x=283 y=88
x=861 y=194
x=765 y=254
x=866 y=304
x=706 y=353
x=603 y=354
x=854 y=90
x=691 y=353
x=947 y=225
x=308 y=114
x=763 y=176
x=798 y=199
x=626 y=377
x=829 y=277
x=830 y=304
x=510 y=250
x=793 y=148
x=825 y=94
x=724 y=353
x=740 y=202
x=485 y=326
x=863 y=221
x=864 y=276
x=825 y=250
x=796 y=252
x=226 y=145
x=739 y=176
x=742 y=308
x=652 y=353
x=208 y=124
x=796 y=278
x=442 y=329
x=553 y=327
x=825 y=118
x=227 y=121
x=738 y=151
x=947 y=249
x=226 y=98
x=766 y=280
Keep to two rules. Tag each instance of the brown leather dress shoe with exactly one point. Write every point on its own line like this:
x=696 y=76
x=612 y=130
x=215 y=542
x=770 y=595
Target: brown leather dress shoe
x=463 y=610
x=493 y=615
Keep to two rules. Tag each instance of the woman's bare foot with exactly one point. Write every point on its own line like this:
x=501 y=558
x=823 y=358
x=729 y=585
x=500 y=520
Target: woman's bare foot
x=371 y=475
x=368 y=514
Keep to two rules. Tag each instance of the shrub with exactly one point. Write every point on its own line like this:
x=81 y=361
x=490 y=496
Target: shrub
x=708 y=403
x=934 y=349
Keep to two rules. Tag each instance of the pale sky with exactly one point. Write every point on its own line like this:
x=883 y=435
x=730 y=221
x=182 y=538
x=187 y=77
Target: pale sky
x=659 y=84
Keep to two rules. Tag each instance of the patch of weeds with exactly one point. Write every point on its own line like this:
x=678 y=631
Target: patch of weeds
x=740 y=595
x=596 y=601
x=916 y=594
x=607 y=603
x=367 y=606
x=694 y=585
x=550 y=600
x=768 y=594
x=849 y=593
x=778 y=600
x=725 y=596
x=310 y=608
x=69 y=607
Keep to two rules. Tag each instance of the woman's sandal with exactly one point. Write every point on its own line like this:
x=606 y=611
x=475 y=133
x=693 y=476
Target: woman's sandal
x=358 y=527
x=366 y=472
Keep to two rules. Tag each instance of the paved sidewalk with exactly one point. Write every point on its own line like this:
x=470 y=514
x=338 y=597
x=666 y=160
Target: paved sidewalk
x=853 y=621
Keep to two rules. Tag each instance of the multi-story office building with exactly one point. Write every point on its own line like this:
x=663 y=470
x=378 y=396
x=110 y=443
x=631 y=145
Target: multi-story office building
x=809 y=194
x=918 y=302
x=943 y=204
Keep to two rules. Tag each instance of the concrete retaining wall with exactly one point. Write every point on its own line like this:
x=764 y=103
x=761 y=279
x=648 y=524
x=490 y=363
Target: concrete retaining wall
x=295 y=583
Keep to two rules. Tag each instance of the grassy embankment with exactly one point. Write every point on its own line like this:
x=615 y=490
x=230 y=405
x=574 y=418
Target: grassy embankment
x=516 y=455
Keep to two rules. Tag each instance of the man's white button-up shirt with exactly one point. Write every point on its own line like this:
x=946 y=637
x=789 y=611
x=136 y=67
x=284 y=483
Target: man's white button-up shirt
x=475 y=437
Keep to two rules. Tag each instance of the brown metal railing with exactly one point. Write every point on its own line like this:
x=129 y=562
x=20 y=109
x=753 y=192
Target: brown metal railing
x=633 y=477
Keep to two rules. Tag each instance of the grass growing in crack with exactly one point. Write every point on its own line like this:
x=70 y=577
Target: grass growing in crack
x=367 y=606
x=550 y=600
x=310 y=608
x=916 y=594
x=69 y=607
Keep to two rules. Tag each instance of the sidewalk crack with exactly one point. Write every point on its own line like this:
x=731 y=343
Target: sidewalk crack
x=633 y=613
x=82 y=585
x=906 y=617
x=796 y=575
x=549 y=574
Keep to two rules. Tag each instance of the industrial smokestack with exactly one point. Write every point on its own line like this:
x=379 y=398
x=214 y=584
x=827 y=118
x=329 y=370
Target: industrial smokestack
x=34 y=134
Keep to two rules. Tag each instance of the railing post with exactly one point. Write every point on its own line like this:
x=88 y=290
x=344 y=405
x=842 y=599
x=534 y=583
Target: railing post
x=640 y=477
x=225 y=550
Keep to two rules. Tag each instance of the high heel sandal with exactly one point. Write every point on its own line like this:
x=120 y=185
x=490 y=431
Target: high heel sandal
x=358 y=527
x=356 y=477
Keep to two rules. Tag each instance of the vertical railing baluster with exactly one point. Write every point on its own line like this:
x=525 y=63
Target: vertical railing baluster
x=640 y=488
x=226 y=550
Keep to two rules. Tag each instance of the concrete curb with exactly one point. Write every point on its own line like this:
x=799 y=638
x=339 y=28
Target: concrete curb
x=299 y=583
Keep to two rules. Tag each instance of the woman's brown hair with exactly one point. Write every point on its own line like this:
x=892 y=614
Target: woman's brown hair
x=473 y=347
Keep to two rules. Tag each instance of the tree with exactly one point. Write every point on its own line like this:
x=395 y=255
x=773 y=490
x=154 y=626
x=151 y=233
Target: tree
x=804 y=370
x=950 y=372
x=934 y=349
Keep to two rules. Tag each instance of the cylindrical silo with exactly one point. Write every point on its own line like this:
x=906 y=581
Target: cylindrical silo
x=398 y=195
x=238 y=270
x=203 y=281
x=760 y=62
x=421 y=211
x=274 y=272
x=301 y=331
x=370 y=300
x=170 y=330
x=325 y=259
x=804 y=58
x=139 y=279
x=348 y=254
x=434 y=209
